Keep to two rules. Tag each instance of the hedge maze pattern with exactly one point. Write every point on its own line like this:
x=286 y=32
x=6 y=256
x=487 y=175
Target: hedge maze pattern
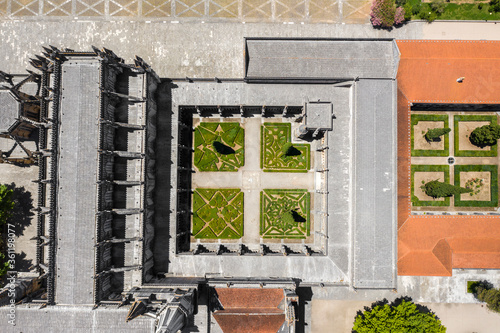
x=274 y=203
x=273 y=137
x=217 y=213
x=207 y=158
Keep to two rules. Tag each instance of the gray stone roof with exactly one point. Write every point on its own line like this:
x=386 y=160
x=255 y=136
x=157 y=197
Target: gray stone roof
x=78 y=145
x=375 y=195
x=308 y=58
x=9 y=110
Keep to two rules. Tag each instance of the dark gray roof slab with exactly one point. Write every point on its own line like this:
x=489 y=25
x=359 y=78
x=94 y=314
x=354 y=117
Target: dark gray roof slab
x=375 y=207
x=320 y=59
x=77 y=176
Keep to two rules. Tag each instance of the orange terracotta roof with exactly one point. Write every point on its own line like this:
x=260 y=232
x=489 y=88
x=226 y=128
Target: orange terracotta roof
x=429 y=69
x=249 y=298
x=250 y=310
x=434 y=245
x=249 y=323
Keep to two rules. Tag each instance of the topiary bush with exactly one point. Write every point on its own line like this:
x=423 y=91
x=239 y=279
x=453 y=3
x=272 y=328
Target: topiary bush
x=222 y=148
x=437 y=189
x=289 y=150
x=435 y=133
x=486 y=135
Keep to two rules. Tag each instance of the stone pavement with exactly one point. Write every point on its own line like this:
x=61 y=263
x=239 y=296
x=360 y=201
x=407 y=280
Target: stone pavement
x=310 y=11
x=336 y=316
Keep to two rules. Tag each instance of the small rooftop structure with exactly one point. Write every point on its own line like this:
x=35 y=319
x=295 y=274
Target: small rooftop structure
x=319 y=115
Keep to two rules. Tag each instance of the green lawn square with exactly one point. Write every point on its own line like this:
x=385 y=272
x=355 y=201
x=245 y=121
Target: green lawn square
x=429 y=168
x=415 y=119
x=273 y=138
x=273 y=203
x=206 y=158
x=473 y=153
x=493 y=170
x=217 y=213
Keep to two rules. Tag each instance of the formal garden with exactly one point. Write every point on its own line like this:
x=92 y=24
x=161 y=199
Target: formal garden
x=218 y=213
x=455 y=167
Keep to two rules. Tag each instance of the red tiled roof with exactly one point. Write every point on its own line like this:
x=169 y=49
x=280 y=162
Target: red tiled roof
x=249 y=323
x=249 y=298
x=250 y=310
x=433 y=245
x=429 y=69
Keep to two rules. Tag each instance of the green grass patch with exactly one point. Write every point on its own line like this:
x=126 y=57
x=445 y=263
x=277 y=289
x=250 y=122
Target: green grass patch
x=472 y=285
x=217 y=213
x=219 y=146
x=429 y=168
x=275 y=206
x=493 y=170
x=473 y=153
x=415 y=119
x=456 y=11
x=273 y=137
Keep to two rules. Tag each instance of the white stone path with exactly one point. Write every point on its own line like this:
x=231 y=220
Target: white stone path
x=252 y=180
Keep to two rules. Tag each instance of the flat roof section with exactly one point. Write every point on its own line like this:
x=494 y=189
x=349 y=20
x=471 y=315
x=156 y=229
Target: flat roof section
x=77 y=175
x=429 y=69
x=375 y=184
x=322 y=59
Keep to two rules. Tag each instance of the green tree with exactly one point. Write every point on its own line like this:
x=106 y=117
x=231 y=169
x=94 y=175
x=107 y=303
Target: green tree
x=6 y=203
x=222 y=148
x=401 y=316
x=289 y=150
x=435 y=133
x=486 y=135
x=6 y=206
x=490 y=295
x=437 y=189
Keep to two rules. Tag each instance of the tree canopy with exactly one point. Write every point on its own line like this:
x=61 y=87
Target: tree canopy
x=435 y=133
x=6 y=203
x=486 y=135
x=437 y=189
x=400 y=316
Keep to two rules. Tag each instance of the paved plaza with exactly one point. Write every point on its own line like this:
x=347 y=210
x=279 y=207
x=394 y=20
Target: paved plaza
x=299 y=11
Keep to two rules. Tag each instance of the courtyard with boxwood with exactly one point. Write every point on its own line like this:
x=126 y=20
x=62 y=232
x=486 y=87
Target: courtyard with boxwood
x=218 y=209
x=458 y=176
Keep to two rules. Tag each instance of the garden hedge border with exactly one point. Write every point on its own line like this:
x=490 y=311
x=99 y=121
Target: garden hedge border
x=473 y=153
x=415 y=118
x=429 y=168
x=262 y=150
x=493 y=170
x=308 y=212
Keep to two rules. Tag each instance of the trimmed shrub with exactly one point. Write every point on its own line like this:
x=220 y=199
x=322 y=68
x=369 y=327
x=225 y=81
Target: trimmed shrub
x=435 y=133
x=289 y=150
x=222 y=148
x=382 y=13
x=486 y=135
x=437 y=189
